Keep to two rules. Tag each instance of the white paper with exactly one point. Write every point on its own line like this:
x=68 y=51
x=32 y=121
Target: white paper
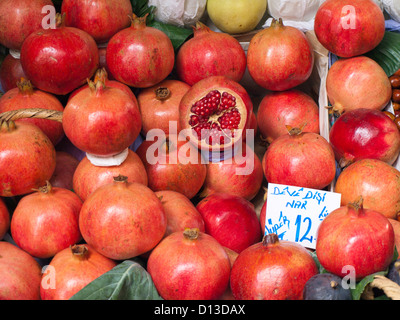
x=110 y=161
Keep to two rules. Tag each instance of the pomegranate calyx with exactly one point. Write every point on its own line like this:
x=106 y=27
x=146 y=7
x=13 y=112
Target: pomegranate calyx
x=44 y=189
x=60 y=20
x=138 y=22
x=294 y=131
x=200 y=28
x=80 y=251
x=7 y=126
x=277 y=23
x=191 y=233
x=97 y=86
x=357 y=205
x=270 y=239
x=25 y=87
x=121 y=178
x=162 y=93
x=101 y=75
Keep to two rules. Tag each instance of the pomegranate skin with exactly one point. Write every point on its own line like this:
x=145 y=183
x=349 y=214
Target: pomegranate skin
x=74 y=58
x=210 y=53
x=376 y=181
x=46 y=222
x=20 y=274
x=10 y=72
x=100 y=18
x=144 y=64
x=303 y=160
x=19 y=19
x=364 y=133
x=231 y=220
x=349 y=28
x=63 y=174
x=122 y=220
x=189 y=269
x=272 y=270
x=355 y=83
x=357 y=237
x=27 y=158
x=290 y=107
x=4 y=219
x=280 y=57
x=72 y=269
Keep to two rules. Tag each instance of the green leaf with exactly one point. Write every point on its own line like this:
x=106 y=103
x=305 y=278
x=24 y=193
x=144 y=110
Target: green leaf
x=387 y=53
x=126 y=281
x=178 y=35
x=362 y=284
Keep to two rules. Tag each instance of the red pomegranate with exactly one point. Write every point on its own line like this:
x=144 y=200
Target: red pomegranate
x=18 y=19
x=159 y=105
x=72 y=269
x=272 y=270
x=355 y=83
x=140 y=56
x=103 y=76
x=89 y=177
x=10 y=72
x=210 y=53
x=349 y=28
x=27 y=158
x=215 y=113
x=356 y=237
x=287 y=108
x=59 y=60
x=25 y=96
x=122 y=219
x=302 y=159
x=103 y=61
x=20 y=274
x=101 y=120
x=189 y=265
x=364 y=133
x=376 y=181
x=174 y=165
x=241 y=175
x=4 y=219
x=100 y=18
x=63 y=174
x=279 y=57
x=231 y=220
x=46 y=221
x=180 y=211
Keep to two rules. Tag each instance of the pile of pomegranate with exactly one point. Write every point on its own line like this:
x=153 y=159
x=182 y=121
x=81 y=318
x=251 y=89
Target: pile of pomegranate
x=117 y=144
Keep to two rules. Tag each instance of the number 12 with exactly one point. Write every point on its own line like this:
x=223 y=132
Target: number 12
x=298 y=224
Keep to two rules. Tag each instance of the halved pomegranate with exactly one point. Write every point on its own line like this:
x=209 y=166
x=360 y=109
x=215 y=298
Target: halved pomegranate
x=215 y=112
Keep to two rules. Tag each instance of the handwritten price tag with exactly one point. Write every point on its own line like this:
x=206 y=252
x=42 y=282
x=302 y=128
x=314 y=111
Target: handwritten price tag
x=295 y=213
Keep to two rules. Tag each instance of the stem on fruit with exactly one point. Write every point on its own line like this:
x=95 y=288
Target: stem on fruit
x=269 y=239
x=80 y=251
x=191 y=233
x=7 y=126
x=162 y=93
x=45 y=189
x=25 y=86
x=121 y=178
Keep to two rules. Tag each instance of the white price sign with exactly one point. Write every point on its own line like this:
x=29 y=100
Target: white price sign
x=295 y=213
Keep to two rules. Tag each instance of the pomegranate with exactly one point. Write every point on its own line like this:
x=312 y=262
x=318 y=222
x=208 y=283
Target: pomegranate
x=10 y=72
x=231 y=220
x=272 y=270
x=355 y=83
x=25 y=96
x=227 y=295
x=364 y=133
x=349 y=28
x=4 y=219
x=89 y=177
x=19 y=19
x=302 y=159
x=159 y=105
x=189 y=265
x=20 y=274
x=122 y=219
x=103 y=61
x=279 y=57
x=100 y=18
x=242 y=175
x=180 y=211
x=102 y=75
x=356 y=237
x=63 y=174
x=215 y=112
x=27 y=158
x=71 y=270
x=101 y=120
x=286 y=108
x=396 y=229
x=376 y=181
x=59 y=60
x=172 y=165
x=46 y=221
x=126 y=59
x=210 y=53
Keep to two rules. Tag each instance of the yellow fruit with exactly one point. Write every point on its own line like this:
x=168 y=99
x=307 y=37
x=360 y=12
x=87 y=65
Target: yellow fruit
x=236 y=16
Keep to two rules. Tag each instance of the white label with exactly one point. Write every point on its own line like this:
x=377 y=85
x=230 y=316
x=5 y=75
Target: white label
x=295 y=213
